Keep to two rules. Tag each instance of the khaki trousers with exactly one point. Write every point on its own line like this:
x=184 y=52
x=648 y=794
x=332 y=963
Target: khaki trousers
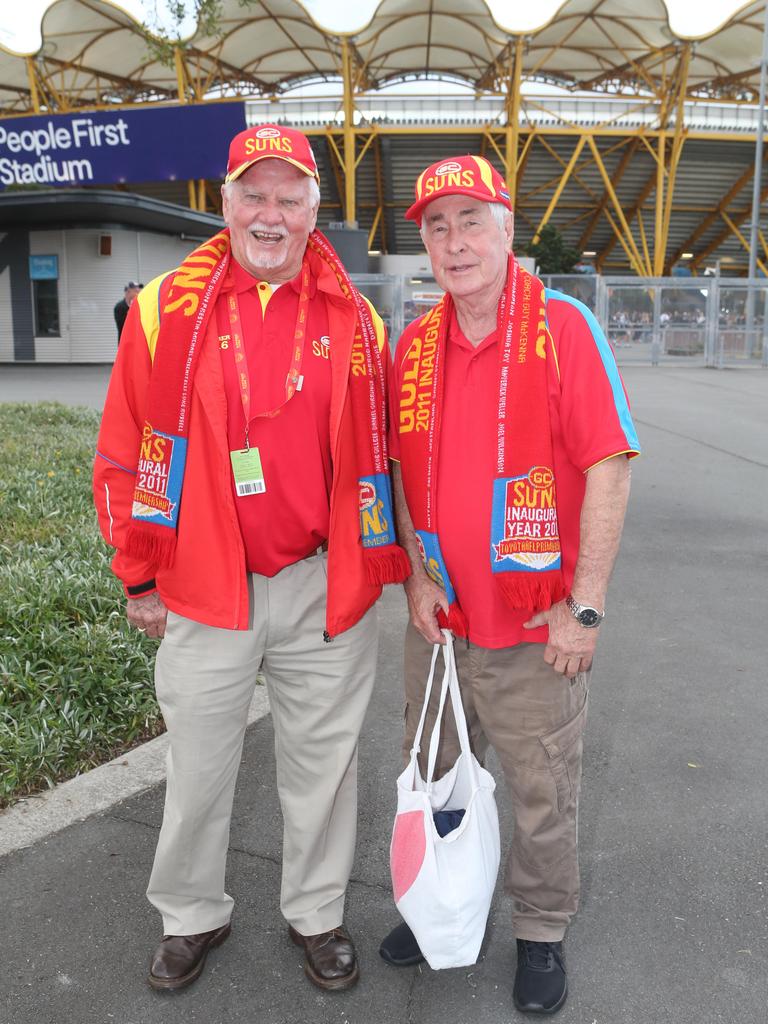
x=534 y=719
x=318 y=695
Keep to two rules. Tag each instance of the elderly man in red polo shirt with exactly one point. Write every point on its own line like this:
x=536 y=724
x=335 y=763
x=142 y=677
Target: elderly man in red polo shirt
x=513 y=434
x=242 y=476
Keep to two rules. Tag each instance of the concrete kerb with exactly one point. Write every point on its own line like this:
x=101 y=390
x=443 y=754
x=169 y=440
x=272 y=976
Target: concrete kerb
x=38 y=816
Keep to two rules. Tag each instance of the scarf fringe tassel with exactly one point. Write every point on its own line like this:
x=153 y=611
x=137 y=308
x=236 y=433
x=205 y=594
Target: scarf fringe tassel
x=531 y=594
x=389 y=566
x=455 y=620
x=150 y=543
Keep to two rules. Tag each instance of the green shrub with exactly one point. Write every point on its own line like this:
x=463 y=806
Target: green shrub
x=75 y=681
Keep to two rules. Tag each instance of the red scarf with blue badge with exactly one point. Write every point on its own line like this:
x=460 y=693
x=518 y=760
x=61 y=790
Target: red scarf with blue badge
x=185 y=315
x=524 y=538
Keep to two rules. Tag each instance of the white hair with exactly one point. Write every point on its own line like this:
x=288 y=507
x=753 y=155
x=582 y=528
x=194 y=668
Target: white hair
x=499 y=212
x=312 y=187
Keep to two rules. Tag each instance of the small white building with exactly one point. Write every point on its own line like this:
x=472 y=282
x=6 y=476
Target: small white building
x=65 y=259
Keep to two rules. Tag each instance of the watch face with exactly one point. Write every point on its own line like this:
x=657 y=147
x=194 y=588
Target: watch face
x=589 y=617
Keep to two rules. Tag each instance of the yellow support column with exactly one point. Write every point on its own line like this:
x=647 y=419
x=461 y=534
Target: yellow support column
x=181 y=88
x=181 y=85
x=32 y=76
x=374 y=226
x=513 y=121
x=677 y=149
x=665 y=189
x=561 y=185
x=735 y=229
x=658 y=252
x=628 y=241
x=350 y=213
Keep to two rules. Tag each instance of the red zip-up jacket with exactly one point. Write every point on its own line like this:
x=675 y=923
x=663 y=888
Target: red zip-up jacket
x=207 y=581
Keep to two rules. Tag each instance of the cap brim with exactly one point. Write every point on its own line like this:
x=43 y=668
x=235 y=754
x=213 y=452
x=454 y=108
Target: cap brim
x=271 y=156
x=416 y=211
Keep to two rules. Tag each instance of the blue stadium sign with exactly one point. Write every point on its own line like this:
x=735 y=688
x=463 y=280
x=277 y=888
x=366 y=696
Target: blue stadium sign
x=119 y=147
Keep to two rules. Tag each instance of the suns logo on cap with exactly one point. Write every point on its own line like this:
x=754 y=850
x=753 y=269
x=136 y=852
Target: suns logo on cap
x=448 y=167
x=268 y=133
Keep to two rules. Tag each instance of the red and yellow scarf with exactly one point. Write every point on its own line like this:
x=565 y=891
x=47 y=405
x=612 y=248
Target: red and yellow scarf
x=524 y=540
x=185 y=315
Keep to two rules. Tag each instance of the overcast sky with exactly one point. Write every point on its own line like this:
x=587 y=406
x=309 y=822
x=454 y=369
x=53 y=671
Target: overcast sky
x=20 y=22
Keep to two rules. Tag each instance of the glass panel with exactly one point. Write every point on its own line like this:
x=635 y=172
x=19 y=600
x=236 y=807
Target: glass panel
x=579 y=286
x=46 y=302
x=385 y=293
x=682 y=320
x=630 y=321
x=741 y=323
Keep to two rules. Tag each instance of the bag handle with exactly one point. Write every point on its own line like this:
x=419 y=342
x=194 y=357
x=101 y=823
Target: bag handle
x=416 y=748
x=450 y=684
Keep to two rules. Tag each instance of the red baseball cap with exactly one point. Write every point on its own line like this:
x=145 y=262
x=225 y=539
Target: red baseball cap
x=459 y=176
x=270 y=141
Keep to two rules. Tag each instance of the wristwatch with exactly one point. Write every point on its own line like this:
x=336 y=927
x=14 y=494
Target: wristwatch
x=584 y=614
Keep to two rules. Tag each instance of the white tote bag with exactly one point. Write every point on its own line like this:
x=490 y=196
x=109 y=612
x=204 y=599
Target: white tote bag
x=443 y=885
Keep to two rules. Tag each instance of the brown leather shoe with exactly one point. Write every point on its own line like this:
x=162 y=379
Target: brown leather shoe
x=330 y=961
x=180 y=959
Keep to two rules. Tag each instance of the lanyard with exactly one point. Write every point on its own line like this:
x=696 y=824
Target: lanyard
x=237 y=348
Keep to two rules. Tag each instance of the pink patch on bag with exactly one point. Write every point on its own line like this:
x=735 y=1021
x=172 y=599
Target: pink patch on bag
x=409 y=844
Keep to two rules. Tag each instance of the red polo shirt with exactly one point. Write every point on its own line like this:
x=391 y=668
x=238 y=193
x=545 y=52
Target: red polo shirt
x=590 y=422
x=290 y=518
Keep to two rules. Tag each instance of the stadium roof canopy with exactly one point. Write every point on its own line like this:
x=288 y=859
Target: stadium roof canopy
x=95 y=53
x=605 y=174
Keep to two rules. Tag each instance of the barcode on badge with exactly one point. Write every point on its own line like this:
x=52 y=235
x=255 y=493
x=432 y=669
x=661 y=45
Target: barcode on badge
x=250 y=487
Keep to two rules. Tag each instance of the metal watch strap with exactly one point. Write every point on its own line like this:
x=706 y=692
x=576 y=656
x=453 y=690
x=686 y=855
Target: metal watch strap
x=577 y=611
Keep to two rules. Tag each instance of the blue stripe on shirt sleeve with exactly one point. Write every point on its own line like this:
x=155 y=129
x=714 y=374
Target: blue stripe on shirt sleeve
x=112 y=462
x=609 y=365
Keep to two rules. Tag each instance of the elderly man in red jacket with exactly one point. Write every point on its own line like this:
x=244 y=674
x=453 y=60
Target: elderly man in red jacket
x=242 y=476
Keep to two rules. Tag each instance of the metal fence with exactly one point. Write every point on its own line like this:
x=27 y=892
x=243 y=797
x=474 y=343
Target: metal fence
x=705 y=321
x=697 y=321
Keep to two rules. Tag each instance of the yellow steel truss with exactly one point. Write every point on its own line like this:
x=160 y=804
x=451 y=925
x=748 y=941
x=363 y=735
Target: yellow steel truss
x=640 y=226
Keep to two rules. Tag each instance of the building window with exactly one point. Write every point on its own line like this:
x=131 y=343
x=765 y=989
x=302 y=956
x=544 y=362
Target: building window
x=46 y=299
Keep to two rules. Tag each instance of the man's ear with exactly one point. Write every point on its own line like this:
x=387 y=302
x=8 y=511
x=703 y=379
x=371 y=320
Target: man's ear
x=509 y=231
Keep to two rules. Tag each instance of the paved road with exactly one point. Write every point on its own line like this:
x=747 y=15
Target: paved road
x=673 y=926
x=73 y=385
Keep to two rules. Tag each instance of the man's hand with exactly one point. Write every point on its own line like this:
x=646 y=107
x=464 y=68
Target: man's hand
x=425 y=599
x=571 y=646
x=147 y=614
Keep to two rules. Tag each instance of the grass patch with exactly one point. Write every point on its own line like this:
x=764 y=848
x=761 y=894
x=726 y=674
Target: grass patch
x=75 y=681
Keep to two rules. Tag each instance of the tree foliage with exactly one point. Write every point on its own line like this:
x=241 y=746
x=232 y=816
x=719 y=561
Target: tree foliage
x=552 y=254
x=207 y=14
x=163 y=31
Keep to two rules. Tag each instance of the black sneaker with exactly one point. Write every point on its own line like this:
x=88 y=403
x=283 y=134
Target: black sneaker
x=541 y=985
x=400 y=948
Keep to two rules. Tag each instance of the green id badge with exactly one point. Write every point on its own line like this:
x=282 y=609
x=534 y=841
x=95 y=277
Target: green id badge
x=249 y=476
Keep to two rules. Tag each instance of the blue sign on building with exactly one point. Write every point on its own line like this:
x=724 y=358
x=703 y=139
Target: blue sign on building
x=106 y=148
x=43 y=268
